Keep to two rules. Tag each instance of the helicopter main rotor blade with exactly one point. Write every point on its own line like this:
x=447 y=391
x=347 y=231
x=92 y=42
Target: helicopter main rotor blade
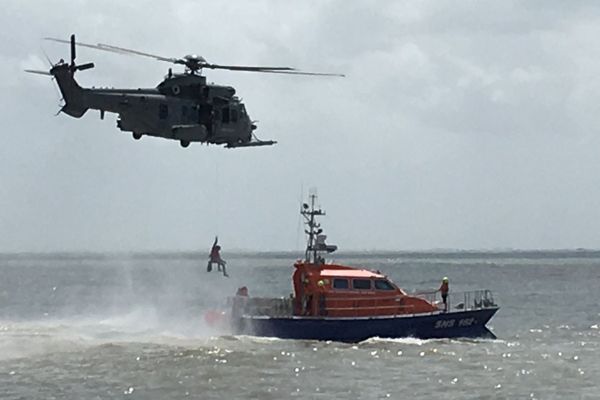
x=92 y=46
x=183 y=61
x=195 y=64
x=112 y=49
x=117 y=49
x=246 y=68
x=272 y=70
x=35 y=71
x=294 y=72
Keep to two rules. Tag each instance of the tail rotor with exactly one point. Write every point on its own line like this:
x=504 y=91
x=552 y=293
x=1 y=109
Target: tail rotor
x=62 y=72
x=72 y=66
x=73 y=53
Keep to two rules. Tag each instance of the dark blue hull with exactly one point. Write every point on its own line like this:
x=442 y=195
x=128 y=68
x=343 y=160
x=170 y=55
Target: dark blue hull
x=457 y=324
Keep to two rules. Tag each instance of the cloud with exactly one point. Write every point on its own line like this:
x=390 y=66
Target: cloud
x=469 y=125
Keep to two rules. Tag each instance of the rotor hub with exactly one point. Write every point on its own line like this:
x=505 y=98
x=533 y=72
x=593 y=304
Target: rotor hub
x=194 y=62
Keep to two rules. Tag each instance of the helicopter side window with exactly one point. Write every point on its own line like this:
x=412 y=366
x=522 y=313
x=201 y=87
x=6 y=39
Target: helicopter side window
x=225 y=116
x=234 y=115
x=163 y=111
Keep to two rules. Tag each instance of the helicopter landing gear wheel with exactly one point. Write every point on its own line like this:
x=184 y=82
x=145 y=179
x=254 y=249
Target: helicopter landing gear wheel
x=184 y=143
x=137 y=136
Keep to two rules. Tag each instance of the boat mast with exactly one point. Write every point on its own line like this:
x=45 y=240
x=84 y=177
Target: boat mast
x=309 y=213
x=316 y=241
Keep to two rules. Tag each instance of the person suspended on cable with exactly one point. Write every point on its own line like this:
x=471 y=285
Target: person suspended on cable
x=215 y=258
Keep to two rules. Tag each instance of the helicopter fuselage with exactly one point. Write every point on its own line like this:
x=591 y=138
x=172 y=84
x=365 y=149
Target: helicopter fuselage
x=182 y=107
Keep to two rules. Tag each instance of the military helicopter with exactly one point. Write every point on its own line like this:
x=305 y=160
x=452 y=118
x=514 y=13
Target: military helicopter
x=182 y=107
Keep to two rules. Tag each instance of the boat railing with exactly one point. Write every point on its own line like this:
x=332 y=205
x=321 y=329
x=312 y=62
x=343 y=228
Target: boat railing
x=468 y=300
x=388 y=305
x=272 y=307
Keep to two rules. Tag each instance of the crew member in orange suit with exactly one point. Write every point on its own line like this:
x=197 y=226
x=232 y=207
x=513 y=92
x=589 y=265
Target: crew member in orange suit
x=215 y=257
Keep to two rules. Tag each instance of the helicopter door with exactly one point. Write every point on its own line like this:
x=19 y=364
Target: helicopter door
x=163 y=111
x=205 y=117
x=225 y=116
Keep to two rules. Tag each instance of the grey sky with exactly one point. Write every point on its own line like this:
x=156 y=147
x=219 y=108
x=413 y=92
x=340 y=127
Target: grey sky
x=469 y=125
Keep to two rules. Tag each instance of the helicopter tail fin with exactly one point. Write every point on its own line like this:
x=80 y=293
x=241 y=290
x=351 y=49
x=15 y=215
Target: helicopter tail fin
x=72 y=93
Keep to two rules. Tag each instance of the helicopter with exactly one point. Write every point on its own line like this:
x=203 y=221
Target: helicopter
x=182 y=107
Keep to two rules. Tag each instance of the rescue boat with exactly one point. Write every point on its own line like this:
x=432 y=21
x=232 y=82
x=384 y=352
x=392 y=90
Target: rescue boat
x=342 y=303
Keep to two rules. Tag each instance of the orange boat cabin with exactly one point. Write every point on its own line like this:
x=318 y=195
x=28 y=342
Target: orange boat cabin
x=331 y=290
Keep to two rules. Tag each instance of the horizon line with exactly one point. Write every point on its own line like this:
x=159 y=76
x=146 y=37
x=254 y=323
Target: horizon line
x=237 y=251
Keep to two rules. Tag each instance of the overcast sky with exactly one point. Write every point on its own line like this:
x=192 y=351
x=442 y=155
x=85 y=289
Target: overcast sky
x=467 y=125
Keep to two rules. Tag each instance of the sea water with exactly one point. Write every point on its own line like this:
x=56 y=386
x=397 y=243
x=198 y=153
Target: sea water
x=106 y=326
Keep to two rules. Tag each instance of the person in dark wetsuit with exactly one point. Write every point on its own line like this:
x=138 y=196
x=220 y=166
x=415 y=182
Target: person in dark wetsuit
x=444 y=289
x=215 y=257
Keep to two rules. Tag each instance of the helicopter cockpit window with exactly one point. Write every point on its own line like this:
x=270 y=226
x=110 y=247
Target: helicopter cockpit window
x=225 y=116
x=163 y=111
x=234 y=115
